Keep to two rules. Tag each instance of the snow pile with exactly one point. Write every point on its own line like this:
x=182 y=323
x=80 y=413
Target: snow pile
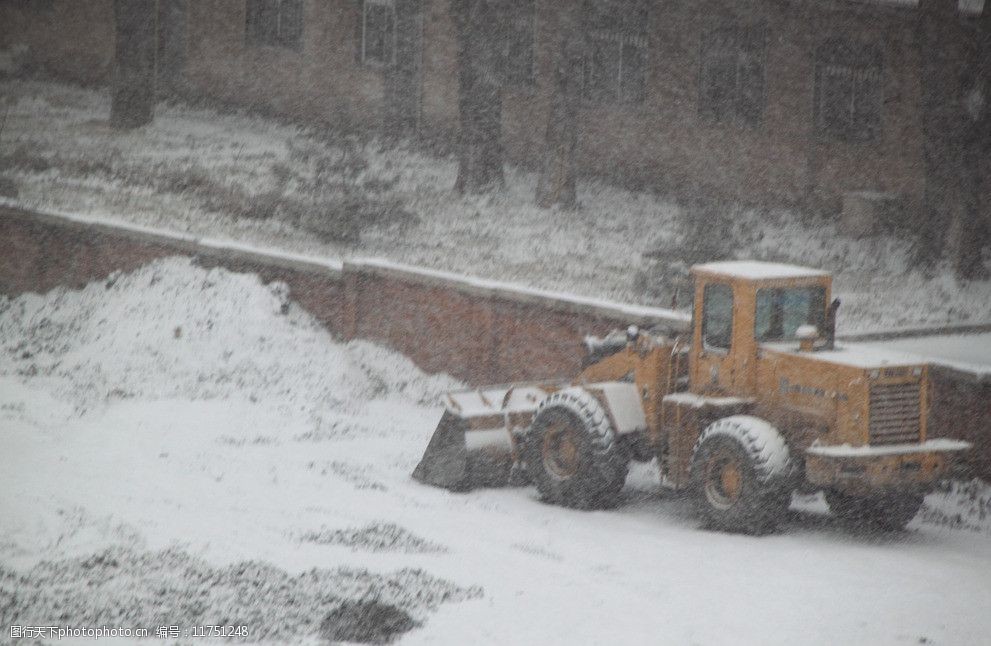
x=376 y=537
x=959 y=505
x=161 y=423
x=151 y=589
x=172 y=330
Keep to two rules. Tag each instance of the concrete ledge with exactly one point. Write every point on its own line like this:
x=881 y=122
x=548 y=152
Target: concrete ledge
x=228 y=250
x=908 y=332
x=672 y=320
x=181 y=242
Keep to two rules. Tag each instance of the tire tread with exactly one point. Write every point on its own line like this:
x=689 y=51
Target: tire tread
x=608 y=458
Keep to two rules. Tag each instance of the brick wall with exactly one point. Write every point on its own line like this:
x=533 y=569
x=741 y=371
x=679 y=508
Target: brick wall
x=482 y=334
x=961 y=408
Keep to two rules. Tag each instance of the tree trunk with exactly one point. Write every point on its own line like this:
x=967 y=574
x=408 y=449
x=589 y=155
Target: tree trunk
x=556 y=185
x=133 y=86
x=939 y=114
x=976 y=230
x=812 y=195
x=480 y=26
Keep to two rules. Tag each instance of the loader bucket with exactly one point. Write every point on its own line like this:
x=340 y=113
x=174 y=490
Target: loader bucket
x=473 y=445
x=449 y=463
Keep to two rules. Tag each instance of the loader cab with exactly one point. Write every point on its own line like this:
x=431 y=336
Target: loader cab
x=739 y=305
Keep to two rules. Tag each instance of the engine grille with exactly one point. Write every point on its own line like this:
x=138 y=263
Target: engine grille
x=895 y=413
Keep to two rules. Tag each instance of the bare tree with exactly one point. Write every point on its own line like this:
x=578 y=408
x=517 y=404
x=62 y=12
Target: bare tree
x=936 y=26
x=556 y=185
x=975 y=232
x=954 y=79
x=133 y=84
x=481 y=29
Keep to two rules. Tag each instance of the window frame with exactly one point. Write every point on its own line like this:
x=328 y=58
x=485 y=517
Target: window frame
x=390 y=7
x=713 y=286
x=859 y=62
x=620 y=41
x=44 y=8
x=743 y=43
x=257 y=35
x=618 y=26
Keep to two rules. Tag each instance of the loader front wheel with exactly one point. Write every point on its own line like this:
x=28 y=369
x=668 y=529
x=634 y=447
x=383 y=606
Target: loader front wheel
x=741 y=475
x=572 y=452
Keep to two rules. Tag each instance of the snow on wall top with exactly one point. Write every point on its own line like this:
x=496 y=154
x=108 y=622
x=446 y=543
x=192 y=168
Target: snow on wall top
x=642 y=315
x=677 y=320
x=183 y=241
x=759 y=270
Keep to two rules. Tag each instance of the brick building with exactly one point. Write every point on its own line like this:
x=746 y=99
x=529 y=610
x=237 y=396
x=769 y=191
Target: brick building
x=761 y=100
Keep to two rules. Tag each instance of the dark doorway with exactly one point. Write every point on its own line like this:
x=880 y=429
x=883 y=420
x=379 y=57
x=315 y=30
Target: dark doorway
x=171 y=45
x=403 y=78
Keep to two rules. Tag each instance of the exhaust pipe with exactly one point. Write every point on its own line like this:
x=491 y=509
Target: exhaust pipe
x=831 y=324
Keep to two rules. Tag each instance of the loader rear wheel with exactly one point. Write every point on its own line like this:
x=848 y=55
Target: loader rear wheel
x=572 y=452
x=741 y=475
x=890 y=512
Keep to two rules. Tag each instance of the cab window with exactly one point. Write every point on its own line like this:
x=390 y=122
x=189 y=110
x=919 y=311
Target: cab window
x=717 y=316
x=781 y=311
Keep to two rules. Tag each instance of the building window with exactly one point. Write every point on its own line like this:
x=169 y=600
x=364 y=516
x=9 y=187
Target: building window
x=276 y=23
x=615 y=66
x=731 y=81
x=519 y=44
x=40 y=6
x=848 y=91
x=378 y=32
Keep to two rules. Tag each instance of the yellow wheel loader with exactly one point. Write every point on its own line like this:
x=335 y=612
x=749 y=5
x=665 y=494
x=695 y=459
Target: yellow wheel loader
x=754 y=401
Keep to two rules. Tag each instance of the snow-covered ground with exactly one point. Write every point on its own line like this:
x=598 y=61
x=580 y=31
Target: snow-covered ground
x=259 y=181
x=184 y=446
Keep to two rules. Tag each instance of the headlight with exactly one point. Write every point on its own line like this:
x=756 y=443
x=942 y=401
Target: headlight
x=874 y=374
x=917 y=371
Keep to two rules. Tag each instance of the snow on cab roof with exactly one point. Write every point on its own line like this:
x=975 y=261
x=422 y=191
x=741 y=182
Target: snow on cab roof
x=758 y=270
